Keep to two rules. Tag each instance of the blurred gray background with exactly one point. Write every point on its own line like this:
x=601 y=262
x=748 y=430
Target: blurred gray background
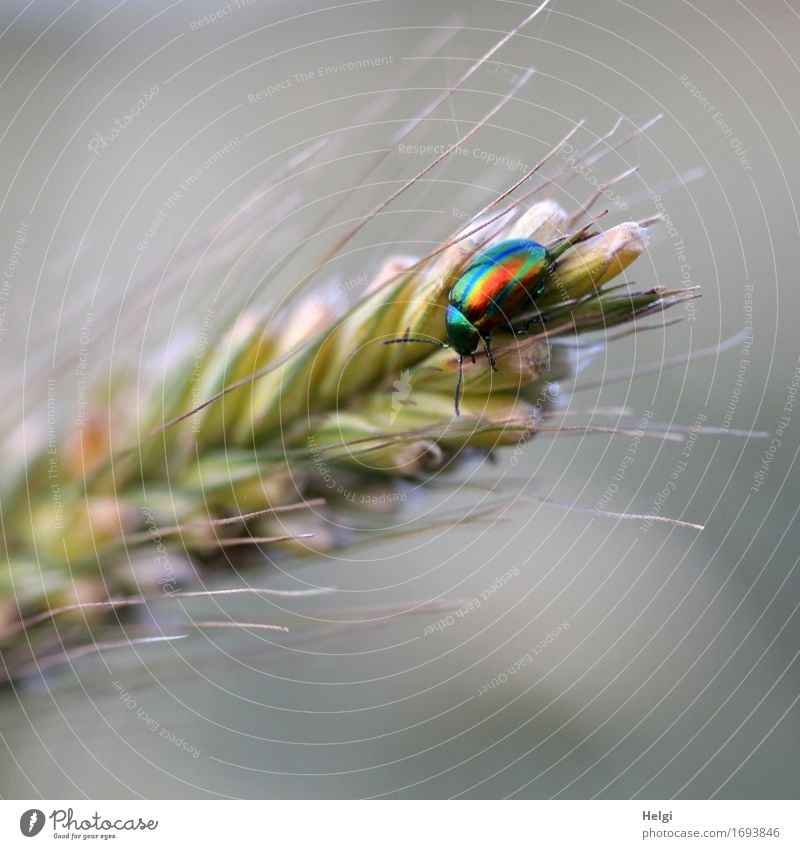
x=678 y=674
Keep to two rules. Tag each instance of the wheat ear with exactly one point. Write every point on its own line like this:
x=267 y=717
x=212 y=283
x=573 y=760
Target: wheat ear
x=240 y=448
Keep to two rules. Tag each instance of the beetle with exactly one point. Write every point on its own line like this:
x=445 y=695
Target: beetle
x=488 y=294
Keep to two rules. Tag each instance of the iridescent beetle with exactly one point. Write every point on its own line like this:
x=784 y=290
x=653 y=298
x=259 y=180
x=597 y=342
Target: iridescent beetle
x=490 y=292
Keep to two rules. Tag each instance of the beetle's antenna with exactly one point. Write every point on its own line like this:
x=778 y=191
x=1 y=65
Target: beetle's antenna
x=413 y=339
x=407 y=338
x=458 y=384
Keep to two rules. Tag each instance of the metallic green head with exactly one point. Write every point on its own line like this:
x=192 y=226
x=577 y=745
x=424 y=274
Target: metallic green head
x=462 y=334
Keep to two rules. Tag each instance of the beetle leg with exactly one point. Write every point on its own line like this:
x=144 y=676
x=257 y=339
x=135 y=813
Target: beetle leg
x=487 y=346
